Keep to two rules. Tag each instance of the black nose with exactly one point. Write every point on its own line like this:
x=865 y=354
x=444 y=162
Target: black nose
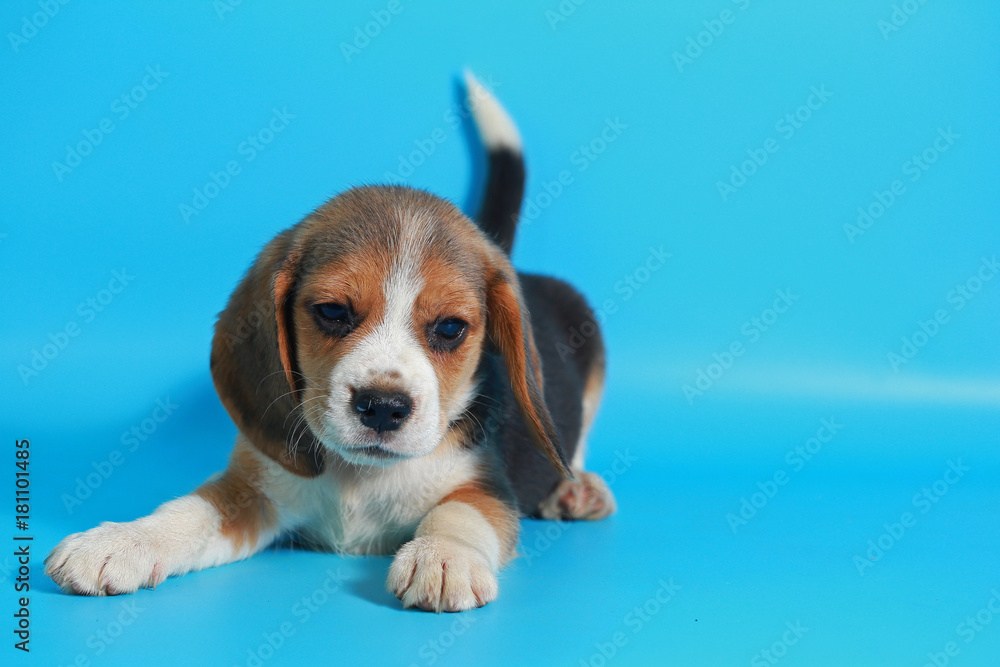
x=382 y=410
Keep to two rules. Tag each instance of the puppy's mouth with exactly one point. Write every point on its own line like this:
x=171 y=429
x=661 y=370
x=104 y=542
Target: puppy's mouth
x=368 y=454
x=375 y=452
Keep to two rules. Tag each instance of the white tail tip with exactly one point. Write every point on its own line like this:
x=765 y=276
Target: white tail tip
x=496 y=128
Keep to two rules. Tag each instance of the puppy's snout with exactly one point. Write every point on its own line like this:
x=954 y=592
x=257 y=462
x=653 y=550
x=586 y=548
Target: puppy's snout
x=382 y=410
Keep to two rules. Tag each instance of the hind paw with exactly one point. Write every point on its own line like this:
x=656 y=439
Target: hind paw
x=586 y=497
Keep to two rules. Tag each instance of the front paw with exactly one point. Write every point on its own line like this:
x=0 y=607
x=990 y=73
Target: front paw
x=111 y=559
x=437 y=574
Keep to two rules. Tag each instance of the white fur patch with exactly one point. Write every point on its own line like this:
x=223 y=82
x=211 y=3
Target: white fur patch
x=450 y=565
x=181 y=536
x=580 y=453
x=496 y=127
x=591 y=401
x=366 y=509
x=390 y=355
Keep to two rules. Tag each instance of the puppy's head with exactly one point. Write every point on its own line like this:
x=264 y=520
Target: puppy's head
x=373 y=314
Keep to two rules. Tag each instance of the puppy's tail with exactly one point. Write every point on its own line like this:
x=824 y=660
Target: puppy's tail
x=505 y=174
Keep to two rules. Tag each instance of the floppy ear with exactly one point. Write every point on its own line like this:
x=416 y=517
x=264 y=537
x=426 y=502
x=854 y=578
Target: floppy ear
x=253 y=361
x=509 y=326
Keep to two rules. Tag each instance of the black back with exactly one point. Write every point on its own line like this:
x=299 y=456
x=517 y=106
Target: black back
x=555 y=308
x=501 y=204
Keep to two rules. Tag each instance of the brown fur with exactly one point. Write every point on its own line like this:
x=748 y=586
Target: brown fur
x=507 y=317
x=450 y=292
x=283 y=283
x=501 y=516
x=357 y=282
x=244 y=509
x=247 y=368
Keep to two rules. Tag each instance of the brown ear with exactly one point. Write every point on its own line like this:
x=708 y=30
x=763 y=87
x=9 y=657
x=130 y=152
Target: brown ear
x=509 y=326
x=253 y=361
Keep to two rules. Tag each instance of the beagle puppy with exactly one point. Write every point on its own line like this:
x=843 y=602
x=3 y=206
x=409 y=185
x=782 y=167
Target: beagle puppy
x=403 y=392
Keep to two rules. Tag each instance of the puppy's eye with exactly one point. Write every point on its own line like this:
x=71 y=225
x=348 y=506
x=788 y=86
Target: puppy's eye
x=335 y=312
x=335 y=319
x=450 y=328
x=447 y=334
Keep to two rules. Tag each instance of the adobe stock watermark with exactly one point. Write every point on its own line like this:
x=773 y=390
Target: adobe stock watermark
x=900 y=16
x=121 y=108
x=714 y=27
x=913 y=169
x=363 y=35
x=958 y=297
x=630 y=284
x=6 y=569
x=433 y=649
x=101 y=641
x=634 y=622
x=106 y=467
x=786 y=127
x=224 y=7
x=923 y=501
x=248 y=150
x=773 y=654
x=87 y=311
x=425 y=147
x=582 y=158
x=967 y=631
x=303 y=610
x=32 y=23
x=562 y=12
x=796 y=459
x=247 y=325
x=706 y=377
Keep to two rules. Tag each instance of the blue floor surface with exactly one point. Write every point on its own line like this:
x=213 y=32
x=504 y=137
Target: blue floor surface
x=710 y=561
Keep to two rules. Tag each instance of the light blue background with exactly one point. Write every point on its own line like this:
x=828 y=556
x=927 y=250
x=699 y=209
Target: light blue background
x=655 y=185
